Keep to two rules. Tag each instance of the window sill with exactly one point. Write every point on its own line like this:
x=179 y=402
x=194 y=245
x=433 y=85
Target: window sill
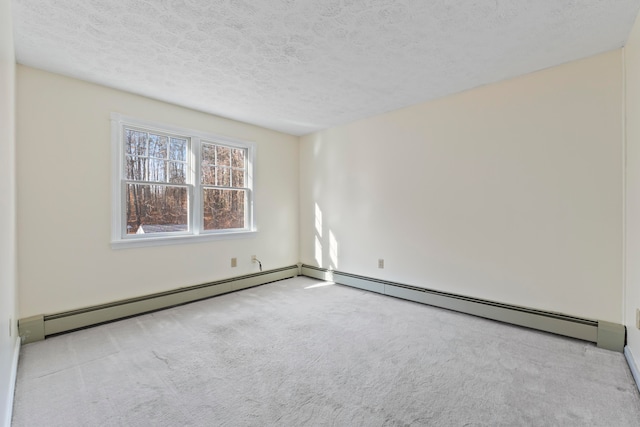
x=178 y=240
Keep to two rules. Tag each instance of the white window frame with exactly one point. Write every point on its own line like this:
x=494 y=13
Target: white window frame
x=196 y=232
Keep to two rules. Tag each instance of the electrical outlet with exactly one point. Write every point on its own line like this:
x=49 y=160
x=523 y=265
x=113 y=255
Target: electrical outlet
x=234 y=262
x=254 y=258
x=638 y=318
x=380 y=263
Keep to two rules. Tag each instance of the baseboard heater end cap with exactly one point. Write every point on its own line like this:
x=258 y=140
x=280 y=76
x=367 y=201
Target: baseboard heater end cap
x=31 y=329
x=611 y=336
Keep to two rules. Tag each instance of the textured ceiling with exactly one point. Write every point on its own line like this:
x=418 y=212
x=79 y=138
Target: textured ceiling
x=302 y=65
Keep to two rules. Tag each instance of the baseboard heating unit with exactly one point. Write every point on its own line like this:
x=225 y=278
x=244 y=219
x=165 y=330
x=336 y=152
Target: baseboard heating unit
x=36 y=328
x=607 y=335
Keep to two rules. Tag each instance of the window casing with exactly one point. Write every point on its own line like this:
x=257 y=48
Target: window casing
x=173 y=185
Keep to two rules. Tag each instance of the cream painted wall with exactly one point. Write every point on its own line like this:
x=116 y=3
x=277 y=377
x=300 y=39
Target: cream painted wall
x=64 y=257
x=511 y=192
x=632 y=121
x=8 y=277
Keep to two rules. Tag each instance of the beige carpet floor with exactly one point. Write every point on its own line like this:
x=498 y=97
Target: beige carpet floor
x=300 y=352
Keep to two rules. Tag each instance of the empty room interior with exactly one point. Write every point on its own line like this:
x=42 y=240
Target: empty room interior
x=296 y=212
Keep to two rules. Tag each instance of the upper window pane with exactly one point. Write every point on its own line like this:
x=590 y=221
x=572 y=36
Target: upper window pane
x=223 y=156
x=208 y=154
x=238 y=158
x=223 y=177
x=157 y=171
x=177 y=173
x=136 y=142
x=148 y=154
x=158 y=146
x=208 y=175
x=238 y=178
x=136 y=168
x=223 y=166
x=207 y=164
x=178 y=149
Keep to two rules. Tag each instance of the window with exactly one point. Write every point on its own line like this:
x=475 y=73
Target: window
x=173 y=185
x=223 y=176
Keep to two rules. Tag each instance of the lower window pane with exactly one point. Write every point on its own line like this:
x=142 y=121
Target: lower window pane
x=156 y=209
x=223 y=209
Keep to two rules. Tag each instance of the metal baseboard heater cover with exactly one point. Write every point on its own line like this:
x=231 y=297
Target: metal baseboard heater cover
x=607 y=335
x=39 y=327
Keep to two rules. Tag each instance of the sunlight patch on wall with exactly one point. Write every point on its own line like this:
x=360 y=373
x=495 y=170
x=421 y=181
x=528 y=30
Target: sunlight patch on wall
x=318 y=252
x=318 y=221
x=318 y=245
x=333 y=250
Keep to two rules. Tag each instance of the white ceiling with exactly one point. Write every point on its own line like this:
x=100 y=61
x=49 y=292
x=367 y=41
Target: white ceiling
x=302 y=65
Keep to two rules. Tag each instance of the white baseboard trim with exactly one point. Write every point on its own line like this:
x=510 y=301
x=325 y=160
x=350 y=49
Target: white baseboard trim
x=12 y=384
x=632 y=365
